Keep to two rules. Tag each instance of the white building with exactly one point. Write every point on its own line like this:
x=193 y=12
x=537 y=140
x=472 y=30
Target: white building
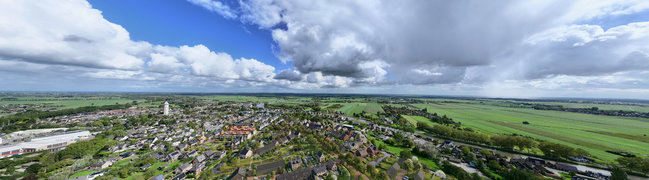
x=166 y=108
x=52 y=143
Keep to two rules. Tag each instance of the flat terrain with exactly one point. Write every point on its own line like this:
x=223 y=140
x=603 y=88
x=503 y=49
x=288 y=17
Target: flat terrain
x=65 y=103
x=594 y=133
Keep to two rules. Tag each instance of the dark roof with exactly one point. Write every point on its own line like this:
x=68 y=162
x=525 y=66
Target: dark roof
x=302 y=174
x=394 y=169
x=265 y=149
x=158 y=177
x=320 y=169
x=419 y=175
x=268 y=167
x=180 y=176
x=239 y=171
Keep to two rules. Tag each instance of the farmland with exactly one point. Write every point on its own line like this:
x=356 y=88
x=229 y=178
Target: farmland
x=594 y=133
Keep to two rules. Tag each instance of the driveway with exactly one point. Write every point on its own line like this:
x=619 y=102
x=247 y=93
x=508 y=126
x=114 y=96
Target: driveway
x=375 y=162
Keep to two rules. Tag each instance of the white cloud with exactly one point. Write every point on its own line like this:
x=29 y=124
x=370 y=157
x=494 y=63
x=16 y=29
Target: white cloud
x=216 y=6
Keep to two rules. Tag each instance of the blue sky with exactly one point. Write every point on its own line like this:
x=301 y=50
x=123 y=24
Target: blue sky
x=176 y=23
x=535 y=48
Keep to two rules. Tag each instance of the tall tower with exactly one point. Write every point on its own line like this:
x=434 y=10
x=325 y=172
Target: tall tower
x=166 y=109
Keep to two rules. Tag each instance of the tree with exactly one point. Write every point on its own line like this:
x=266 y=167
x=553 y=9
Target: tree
x=383 y=175
x=635 y=163
x=370 y=170
x=555 y=150
x=406 y=154
x=407 y=165
x=34 y=168
x=10 y=169
x=618 y=174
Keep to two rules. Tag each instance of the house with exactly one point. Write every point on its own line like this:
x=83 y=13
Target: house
x=372 y=150
x=181 y=147
x=268 y=167
x=238 y=174
x=145 y=167
x=199 y=159
x=419 y=175
x=320 y=157
x=245 y=153
x=158 y=177
x=302 y=174
x=394 y=170
x=331 y=166
x=209 y=154
x=283 y=140
x=265 y=149
x=158 y=155
x=125 y=155
x=179 y=177
x=295 y=163
x=219 y=155
x=361 y=153
x=184 y=168
x=174 y=156
x=320 y=170
x=196 y=169
x=567 y=168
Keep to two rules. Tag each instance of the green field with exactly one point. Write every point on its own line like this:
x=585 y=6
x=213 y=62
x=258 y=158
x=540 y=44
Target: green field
x=414 y=119
x=594 y=133
x=66 y=103
x=351 y=108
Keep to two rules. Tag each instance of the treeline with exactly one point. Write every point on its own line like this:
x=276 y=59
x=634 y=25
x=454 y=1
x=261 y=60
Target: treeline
x=552 y=150
x=593 y=110
x=635 y=163
x=396 y=111
x=464 y=134
x=24 y=120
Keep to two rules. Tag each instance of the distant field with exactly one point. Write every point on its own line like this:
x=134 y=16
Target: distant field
x=593 y=133
x=351 y=108
x=66 y=103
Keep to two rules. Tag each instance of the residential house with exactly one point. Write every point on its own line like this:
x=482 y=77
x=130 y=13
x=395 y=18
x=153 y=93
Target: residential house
x=302 y=174
x=394 y=170
x=361 y=153
x=238 y=174
x=199 y=159
x=419 y=175
x=320 y=170
x=245 y=153
x=320 y=157
x=295 y=163
x=183 y=168
x=268 y=167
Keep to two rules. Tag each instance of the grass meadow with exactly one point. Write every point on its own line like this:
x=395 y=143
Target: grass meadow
x=593 y=133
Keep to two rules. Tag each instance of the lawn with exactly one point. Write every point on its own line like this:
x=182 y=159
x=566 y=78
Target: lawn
x=82 y=173
x=593 y=133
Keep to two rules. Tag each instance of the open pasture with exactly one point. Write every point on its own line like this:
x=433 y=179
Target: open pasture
x=593 y=133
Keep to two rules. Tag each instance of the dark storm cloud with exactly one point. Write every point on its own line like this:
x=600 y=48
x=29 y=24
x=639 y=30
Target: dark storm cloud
x=288 y=75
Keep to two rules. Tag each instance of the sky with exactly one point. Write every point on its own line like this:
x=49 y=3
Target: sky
x=519 y=49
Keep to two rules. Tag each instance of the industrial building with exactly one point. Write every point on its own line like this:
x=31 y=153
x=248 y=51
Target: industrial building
x=51 y=143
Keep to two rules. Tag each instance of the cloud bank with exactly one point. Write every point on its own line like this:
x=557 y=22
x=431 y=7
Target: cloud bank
x=499 y=48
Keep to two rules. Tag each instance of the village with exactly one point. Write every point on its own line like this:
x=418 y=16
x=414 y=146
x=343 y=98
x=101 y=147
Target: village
x=255 y=141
